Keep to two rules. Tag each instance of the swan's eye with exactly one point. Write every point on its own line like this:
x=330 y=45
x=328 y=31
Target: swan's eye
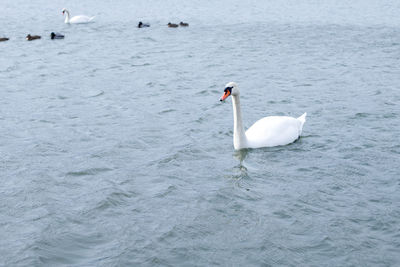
x=228 y=89
x=227 y=92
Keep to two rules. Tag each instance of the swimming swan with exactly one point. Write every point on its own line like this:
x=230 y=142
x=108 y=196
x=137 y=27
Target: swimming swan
x=76 y=19
x=266 y=132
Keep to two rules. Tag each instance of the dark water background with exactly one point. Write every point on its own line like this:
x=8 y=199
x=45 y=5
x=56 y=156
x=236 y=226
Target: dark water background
x=115 y=150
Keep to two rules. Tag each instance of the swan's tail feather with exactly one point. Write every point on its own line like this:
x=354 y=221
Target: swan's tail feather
x=92 y=18
x=302 y=118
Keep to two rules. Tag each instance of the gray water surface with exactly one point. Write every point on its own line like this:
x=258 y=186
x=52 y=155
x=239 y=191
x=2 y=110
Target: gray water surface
x=115 y=150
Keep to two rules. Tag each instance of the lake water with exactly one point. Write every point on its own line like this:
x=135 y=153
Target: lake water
x=115 y=149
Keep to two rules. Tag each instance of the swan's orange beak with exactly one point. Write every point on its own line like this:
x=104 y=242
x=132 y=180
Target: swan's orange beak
x=225 y=95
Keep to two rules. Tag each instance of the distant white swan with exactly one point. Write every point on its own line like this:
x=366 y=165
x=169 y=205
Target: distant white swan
x=266 y=132
x=76 y=19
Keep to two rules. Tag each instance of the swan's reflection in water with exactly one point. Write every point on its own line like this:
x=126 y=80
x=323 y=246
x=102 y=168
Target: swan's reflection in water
x=240 y=169
x=241 y=155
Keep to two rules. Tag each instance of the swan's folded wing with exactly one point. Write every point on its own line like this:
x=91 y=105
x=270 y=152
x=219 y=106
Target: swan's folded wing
x=80 y=19
x=273 y=131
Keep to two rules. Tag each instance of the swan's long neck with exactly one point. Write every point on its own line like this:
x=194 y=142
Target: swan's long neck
x=67 y=16
x=239 y=135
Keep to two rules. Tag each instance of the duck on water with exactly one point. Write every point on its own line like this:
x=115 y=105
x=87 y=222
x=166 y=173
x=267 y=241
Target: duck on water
x=172 y=25
x=56 y=36
x=32 y=37
x=143 y=25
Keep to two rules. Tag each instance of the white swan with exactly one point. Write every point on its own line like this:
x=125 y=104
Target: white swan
x=76 y=19
x=266 y=132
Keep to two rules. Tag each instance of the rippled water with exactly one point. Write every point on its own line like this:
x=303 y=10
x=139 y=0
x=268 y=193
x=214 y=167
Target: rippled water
x=115 y=150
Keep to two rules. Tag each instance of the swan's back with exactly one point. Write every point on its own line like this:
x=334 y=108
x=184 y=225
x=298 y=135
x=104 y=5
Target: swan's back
x=81 y=19
x=274 y=131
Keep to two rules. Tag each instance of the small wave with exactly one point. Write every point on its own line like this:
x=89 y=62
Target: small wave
x=140 y=65
x=203 y=92
x=166 y=111
x=115 y=199
x=303 y=85
x=67 y=248
x=92 y=171
x=166 y=192
x=361 y=115
x=94 y=94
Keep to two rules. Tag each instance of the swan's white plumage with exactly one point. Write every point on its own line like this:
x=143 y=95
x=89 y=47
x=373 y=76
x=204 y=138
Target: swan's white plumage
x=266 y=132
x=80 y=19
x=76 y=19
x=274 y=131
